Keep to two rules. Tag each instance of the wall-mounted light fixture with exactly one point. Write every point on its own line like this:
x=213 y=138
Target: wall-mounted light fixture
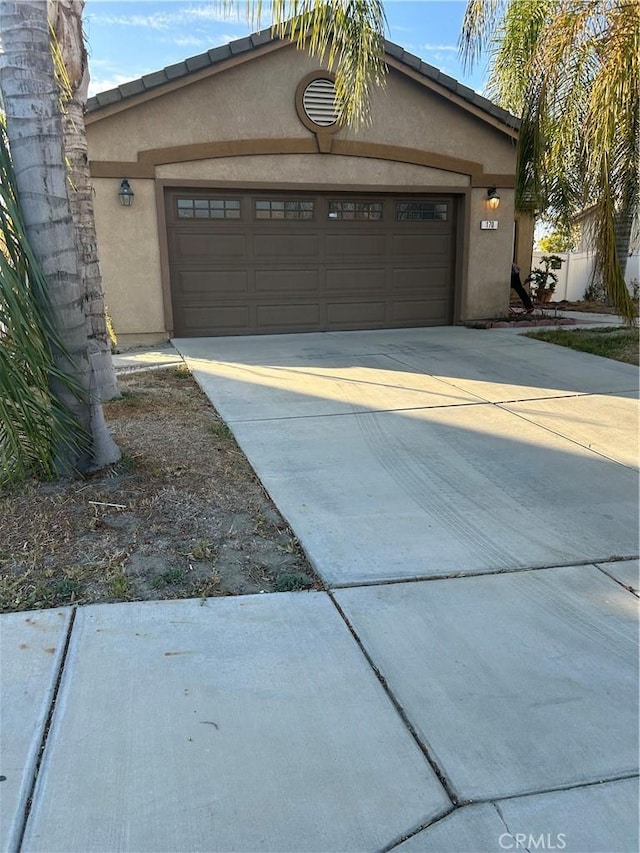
x=125 y=193
x=493 y=199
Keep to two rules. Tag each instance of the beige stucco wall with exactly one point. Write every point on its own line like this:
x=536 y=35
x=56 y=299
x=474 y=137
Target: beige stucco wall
x=312 y=169
x=129 y=254
x=490 y=256
x=257 y=100
x=405 y=113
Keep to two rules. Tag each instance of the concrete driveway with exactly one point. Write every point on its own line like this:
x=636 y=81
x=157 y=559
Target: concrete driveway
x=472 y=499
x=433 y=452
x=466 y=683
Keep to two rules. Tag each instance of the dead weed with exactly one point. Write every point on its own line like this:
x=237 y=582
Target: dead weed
x=181 y=515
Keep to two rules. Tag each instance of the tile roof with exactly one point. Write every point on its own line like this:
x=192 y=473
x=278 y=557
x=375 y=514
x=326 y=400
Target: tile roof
x=249 y=43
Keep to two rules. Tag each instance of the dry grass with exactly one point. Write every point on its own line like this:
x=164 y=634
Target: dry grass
x=181 y=515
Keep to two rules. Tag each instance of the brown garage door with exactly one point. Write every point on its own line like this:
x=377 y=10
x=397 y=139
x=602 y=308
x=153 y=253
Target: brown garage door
x=258 y=262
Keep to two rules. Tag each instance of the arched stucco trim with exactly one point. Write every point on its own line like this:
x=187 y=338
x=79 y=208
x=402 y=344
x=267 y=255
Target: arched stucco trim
x=145 y=165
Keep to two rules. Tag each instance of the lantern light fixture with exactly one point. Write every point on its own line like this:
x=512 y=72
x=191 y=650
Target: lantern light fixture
x=493 y=199
x=125 y=193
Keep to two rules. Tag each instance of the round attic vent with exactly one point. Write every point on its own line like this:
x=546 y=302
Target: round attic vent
x=319 y=102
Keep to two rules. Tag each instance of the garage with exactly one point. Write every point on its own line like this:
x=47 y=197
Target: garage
x=248 y=208
x=276 y=262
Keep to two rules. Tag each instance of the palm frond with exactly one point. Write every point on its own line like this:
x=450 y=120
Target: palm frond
x=571 y=68
x=514 y=46
x=34 y=425
x=59 y=68
x=346 y=34
x=481 y=19
x=608 y=267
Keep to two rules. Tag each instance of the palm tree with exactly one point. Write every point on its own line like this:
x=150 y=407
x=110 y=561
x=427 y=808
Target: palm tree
x=31 y=103
x=571 y=69
x=72 y=70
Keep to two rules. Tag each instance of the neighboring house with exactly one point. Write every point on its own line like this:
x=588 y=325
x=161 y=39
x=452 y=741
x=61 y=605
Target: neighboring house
x=577 y=272
x=255 y=213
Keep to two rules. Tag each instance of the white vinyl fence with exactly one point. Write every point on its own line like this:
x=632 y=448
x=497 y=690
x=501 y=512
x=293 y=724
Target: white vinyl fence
x=577 y=271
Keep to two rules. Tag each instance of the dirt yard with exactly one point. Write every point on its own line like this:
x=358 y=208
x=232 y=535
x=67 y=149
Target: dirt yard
x=182 y=515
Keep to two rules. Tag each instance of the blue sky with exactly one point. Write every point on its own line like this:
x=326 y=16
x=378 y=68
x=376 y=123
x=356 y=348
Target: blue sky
x=129 y=39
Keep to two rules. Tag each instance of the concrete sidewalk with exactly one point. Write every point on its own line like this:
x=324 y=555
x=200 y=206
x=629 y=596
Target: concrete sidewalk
x=583 y=319
x=467 y=681
x=147 y=358
x=587 y=318
x=259 y=723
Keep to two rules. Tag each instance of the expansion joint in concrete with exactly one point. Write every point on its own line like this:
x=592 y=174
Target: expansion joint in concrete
x=576 y=786
x=461 y=575
x=495 y=803
x=407 y=835
x=45 y=732
x=444 y=781
x=560 y=434
x=614 y=578
x=356 y=411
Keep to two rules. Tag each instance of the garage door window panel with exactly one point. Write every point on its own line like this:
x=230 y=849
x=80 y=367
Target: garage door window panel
x=356 y=210
x=284 y=209
x=208 y=208
x=421 y=211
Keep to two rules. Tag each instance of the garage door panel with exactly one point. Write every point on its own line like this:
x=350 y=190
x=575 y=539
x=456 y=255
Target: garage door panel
x=286 y=245
x=419 y=278
x=355 y=313
x=426 y=245
x=288 y=316
x=221 y=318
x=353 y=280
x=244 y=275
x=355 y=245
x=420 y=310
x=208 y=247
x=284 y=282
x=199 y=284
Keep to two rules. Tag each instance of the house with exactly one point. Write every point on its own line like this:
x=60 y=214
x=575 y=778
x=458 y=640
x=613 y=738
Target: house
x=254 y=212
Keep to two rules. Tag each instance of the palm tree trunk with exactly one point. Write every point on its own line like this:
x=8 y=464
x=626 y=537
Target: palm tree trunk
x=623 y=228
x=31 y=103
x=66 y=19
